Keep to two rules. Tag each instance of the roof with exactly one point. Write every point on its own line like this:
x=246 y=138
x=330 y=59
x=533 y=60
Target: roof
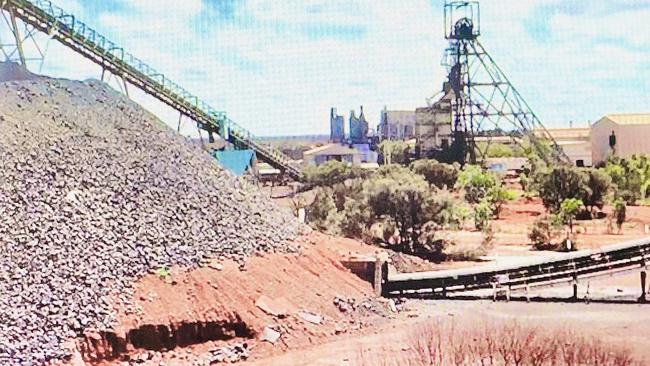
x=628 y=118
x=570 y=133
x=332 y=149
x=573 y=133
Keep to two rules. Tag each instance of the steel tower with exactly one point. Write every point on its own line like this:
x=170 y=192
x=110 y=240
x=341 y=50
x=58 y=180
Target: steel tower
x=485 y=102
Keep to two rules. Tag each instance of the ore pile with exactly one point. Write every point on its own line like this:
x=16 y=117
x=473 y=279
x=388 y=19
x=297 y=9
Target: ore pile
x=95 y=192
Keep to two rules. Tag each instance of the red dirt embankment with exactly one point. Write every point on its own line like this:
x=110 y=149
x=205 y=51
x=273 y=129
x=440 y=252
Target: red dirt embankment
x=194 y=312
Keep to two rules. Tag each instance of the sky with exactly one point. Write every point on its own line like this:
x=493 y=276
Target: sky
x=277 y=67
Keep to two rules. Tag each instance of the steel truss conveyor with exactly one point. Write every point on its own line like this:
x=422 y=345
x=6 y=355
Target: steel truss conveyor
x=67 y=29
x=560 y=269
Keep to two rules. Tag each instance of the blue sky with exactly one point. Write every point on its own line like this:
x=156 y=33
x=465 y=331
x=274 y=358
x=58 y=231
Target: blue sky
x=277 y=67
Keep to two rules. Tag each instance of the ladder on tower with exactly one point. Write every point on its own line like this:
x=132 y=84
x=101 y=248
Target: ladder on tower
x=73 y=33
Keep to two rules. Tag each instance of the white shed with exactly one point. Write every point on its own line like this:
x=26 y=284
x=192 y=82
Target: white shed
x=621 y=135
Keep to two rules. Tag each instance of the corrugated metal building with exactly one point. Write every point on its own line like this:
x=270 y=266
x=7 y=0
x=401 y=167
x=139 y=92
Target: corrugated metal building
x=621 y=135
x=339 y=152
x=576 y=143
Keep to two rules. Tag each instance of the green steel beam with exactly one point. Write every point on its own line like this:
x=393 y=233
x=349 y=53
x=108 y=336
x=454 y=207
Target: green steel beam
x=71 y=32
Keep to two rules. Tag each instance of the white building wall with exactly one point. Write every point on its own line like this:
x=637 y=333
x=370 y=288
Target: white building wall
x=630 y=139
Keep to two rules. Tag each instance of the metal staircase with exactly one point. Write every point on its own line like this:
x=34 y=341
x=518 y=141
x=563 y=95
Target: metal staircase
x=67 y=29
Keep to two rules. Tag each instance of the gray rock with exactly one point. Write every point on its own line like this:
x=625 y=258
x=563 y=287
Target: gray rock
x=94 y=196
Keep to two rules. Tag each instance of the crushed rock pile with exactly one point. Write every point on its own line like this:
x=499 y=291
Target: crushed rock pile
x=95 y=192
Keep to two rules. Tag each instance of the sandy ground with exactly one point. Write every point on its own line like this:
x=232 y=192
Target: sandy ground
x=621 y=324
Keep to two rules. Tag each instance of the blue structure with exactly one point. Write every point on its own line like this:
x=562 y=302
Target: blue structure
x=337 y=127
x=358 y=128
x=236 y=161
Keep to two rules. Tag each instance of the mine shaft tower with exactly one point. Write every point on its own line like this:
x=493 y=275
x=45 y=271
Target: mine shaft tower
x=485 y=102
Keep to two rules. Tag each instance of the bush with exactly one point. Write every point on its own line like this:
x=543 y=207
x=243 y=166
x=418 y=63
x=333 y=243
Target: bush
x=482 y=214
x=544 y=234
x=498 y=196
x=330 y=173
x=322 y=214
x=398 y=199
x=598 y=186
x=569 y=208
x=394 y=152
x=439 y=175
x=355 y=219
x=558 y=184
x=620 y=213
x=631 y=177
x=475 y=182
x=464 y=342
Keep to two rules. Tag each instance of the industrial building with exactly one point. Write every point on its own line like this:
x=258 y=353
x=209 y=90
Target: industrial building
x=358 y=128
x=620 y=135
x=576 y=144
x=337 y=127
x=396 y=125
x=333 y=151
x=433 y=123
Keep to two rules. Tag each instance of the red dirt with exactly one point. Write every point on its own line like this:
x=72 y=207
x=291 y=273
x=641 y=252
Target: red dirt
x=307 y=281
x=312 y=279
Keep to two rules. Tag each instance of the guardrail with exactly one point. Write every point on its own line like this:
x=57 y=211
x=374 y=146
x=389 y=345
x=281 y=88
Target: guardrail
x=75 y=34
x=561 y=268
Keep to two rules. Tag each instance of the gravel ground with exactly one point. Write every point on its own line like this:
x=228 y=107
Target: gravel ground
x=95 y=192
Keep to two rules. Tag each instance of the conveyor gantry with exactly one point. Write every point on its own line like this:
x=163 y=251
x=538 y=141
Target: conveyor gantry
x=561 y=268
x=71 y=32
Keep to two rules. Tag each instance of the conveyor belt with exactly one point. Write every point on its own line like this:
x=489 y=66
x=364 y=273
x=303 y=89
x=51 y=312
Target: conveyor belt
x=70 y=31
x=560 y=268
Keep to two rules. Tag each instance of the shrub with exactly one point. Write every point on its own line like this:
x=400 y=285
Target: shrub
x=569 y=208
x=631 y=176
x=598 y=185
x=439 y=175
x=524 y=181
x=355 y=219
x=330 y=173
x=322 y=214
x=496 y=150
x=620 y=213
x=476 y=183
x=482 y=214
x=464 y=342
x=544 y=234
x=498 y=196
x=394 y=152
x=403 y=197
x=558 y=184
x=395 y=197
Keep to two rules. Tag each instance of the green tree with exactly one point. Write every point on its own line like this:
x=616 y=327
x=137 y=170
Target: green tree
x=620 y=213
x=631 y=177
x=356 y=219
x=395 y=152
x=476 y=183
x=496 y=150
x=437 y=174
x=558 y=184
x=544 y=234
x=330 y=173
x=597 y=187
x=322 y=214
x=497 y=196
x=482 y=214
x=569 y=209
